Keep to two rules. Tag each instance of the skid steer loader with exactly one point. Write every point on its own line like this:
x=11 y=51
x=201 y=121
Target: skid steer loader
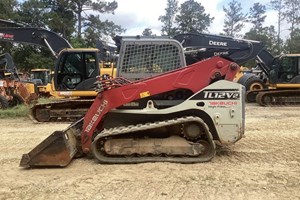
x=176 y=115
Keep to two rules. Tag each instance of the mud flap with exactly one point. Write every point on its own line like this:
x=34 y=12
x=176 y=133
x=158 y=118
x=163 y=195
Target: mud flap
x=57 y=150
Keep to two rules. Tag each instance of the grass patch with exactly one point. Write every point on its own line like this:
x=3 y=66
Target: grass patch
x=46 y=100
x=21 y=110
x=17 y=111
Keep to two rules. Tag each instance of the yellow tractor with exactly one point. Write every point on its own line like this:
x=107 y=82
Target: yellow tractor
x=42 y=78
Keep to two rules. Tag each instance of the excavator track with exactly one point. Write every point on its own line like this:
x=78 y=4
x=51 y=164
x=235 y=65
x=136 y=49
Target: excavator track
x=279 y=98
x=114 y=146
x=60 y=111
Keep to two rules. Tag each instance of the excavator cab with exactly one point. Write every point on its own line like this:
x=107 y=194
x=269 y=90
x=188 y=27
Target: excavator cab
x=76 y=70
x=289 y=69
x=285 y=70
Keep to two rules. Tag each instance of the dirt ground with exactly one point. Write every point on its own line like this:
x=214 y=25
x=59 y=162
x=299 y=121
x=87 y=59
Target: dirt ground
x=263 y=165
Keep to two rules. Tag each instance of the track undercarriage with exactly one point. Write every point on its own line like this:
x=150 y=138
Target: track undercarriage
x=274 y=97
x=61 y=111
x=183 y=140
x=279 y=98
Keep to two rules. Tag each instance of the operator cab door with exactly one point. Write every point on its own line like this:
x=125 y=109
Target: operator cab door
x=76 y=71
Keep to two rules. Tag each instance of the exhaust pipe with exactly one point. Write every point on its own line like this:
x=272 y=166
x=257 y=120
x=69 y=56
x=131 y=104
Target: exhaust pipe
x=57 y=150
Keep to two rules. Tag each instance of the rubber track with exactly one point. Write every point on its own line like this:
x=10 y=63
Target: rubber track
x=142 y=127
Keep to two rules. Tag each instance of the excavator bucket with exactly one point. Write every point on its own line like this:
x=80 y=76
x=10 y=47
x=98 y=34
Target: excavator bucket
x=55 y=151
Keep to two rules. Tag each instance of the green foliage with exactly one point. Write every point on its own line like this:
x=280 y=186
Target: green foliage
x=32 y=12
x=192 y=18
x=78 y=42
x=278 y=6
x=7 y=12
x=234 y=18
x=7 y=9
x=43 y=100
x=267 y=35
x=28 y=57
x=292 y=44
x=292 y=13
x=17 y=111
x=21 y=110
x=99 y=30
x=147 y=32
x=257 y=16
x=98 y=6
x=169 y=17
x=61 y=16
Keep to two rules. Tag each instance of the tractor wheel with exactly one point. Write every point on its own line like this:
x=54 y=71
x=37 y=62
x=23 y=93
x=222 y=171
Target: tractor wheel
x=254 y=83
x=3 y=102
x=17 y=100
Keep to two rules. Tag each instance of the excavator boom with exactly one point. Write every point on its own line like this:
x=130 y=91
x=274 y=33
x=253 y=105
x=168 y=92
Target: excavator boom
x=35 y=36
x=200 y=46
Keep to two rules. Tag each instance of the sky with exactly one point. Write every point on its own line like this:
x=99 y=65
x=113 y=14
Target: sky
x=136 y=15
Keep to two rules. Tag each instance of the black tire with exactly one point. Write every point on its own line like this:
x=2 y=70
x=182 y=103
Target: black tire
x=3 y=102
x=254 y=83
x=17 y=100
x=245 y=78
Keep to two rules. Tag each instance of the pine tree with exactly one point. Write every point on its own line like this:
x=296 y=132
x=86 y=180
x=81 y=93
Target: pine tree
x=234 y=19
x=169 y=18
x=192 y=18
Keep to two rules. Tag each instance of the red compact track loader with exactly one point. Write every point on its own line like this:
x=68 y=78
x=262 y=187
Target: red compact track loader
x=175 y=116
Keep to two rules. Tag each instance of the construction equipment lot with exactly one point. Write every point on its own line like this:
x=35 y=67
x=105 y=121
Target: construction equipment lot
x=263 y=165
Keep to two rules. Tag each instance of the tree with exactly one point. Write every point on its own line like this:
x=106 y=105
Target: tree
x=32 y=12
x=292 y=16
x=278 y=6
x=60 y=17
x=234 y=18
x=258 y=32
x=98 y=6
x=169 y=17
x=271 y=41
x=99 y=30
x=267 y=35
x=7 y=12
x=65 y=15
x=192 y=18
x=27 y=57
x=257 y=16
x=7 y=9
x=147 y=32
x=292 y=44
x=292 y=13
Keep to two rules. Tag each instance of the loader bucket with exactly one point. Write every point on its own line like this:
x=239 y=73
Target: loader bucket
x=57 y=150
